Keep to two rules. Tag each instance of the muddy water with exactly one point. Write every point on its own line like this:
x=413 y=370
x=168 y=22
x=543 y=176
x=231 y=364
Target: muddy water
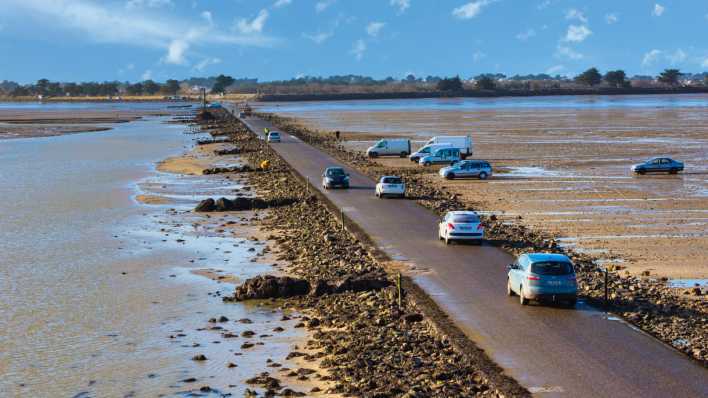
x=97 y=293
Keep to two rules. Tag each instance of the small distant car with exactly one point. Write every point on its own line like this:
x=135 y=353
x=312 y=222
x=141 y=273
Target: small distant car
x=658 y=165
x=390 y=186
x=441 y=155
x=461 y=225
x=467 y=168
x=335 y=177
x=273 y=136
x=542 y=277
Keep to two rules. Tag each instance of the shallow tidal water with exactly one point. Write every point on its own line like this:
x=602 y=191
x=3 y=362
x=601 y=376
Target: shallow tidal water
x=97 y=293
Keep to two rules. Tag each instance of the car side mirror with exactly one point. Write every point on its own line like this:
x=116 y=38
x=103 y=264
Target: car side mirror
x=511 y=266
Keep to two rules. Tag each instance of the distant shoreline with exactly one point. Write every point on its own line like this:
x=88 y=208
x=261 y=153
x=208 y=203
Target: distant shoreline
x=478 y=94
x=496 y=93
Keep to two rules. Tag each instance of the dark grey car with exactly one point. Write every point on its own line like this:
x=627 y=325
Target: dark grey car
x=658 y=165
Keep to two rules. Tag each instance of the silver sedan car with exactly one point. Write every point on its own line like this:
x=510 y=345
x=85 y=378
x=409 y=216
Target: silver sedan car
x=541 y=277
x=467 y=168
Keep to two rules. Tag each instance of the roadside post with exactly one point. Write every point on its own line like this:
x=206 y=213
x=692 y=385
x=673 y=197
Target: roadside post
x=398 y=288
x=607 y=278
x=341 y=215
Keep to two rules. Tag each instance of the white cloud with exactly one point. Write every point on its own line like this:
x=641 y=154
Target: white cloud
x=658 y=10
x=358 y=49
x=556 y=69
x=704 y=64
x=677 y=57
x=478 y=56
x=319 y=37
x=374 y=28
x=323 y=5
x=523 y=36
x=577 y=33
x=282 y=3
x=176 y=52
x=203 y=64
x=206 y=15
x=132 y=4
x=147 y=75
x=471 y=9
x=255 y=26
x=544 y=4
x=567 y=52
x=611 y=18
x=402 y=5
x=650 y=57
x=114 y=23
x=576 y=14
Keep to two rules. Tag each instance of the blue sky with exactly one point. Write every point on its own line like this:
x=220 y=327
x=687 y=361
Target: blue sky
x=81 y=40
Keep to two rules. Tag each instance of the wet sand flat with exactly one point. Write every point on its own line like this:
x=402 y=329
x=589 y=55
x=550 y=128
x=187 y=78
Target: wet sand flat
x=28 y=123
x=566 y=171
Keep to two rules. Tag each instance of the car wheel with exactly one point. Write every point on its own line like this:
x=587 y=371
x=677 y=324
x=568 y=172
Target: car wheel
x=673 y=171
x=450 y=176
x=522 y=299
x=426 y=164
x=642 y=172
x=403 y=196
x=483 y=176
x=404 y=154
x=373 y=154
x=509 y=292
x=571 y=303
x=345 y=186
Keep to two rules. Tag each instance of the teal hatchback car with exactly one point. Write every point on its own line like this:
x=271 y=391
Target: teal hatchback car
x=542 y=277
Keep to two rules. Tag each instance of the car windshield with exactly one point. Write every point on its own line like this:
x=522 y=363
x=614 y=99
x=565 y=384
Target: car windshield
x=392 y=180
x=552 y=268
x=335 y=172
x=465 y=218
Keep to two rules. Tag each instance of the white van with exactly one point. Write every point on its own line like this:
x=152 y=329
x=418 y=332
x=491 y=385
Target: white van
x=390 y=146
x=462 y=142
x=427 y=150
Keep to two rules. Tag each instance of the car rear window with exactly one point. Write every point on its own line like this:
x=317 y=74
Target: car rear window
x=392 y=180
x=552 y=268
x=465 y=218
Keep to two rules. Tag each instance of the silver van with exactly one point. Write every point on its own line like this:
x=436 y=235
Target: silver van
x=441 y=155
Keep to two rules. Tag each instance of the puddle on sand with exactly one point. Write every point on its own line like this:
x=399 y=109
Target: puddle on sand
x=687 y=283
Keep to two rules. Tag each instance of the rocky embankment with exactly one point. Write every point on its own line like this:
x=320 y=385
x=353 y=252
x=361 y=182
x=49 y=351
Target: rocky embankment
x=680 y=318
x=370 y=342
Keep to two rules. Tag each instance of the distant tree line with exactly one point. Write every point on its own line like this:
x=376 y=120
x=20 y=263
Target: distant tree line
x=352 y=83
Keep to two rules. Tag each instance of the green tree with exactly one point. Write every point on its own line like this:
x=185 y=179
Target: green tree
x=171 y=87
x=150 y=87
x=135 y=89
x=222 y=83
x=670 y=76
x=616 y=78
x=451 y=84
x=590 y=77
x=485 y=82
x=42 y=86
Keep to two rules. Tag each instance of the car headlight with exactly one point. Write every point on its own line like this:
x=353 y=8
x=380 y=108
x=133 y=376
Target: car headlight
x=346 y=178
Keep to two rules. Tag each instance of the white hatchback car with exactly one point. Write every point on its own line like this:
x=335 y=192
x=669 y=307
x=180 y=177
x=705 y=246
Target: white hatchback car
x=461 y=225
x=390 y=186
